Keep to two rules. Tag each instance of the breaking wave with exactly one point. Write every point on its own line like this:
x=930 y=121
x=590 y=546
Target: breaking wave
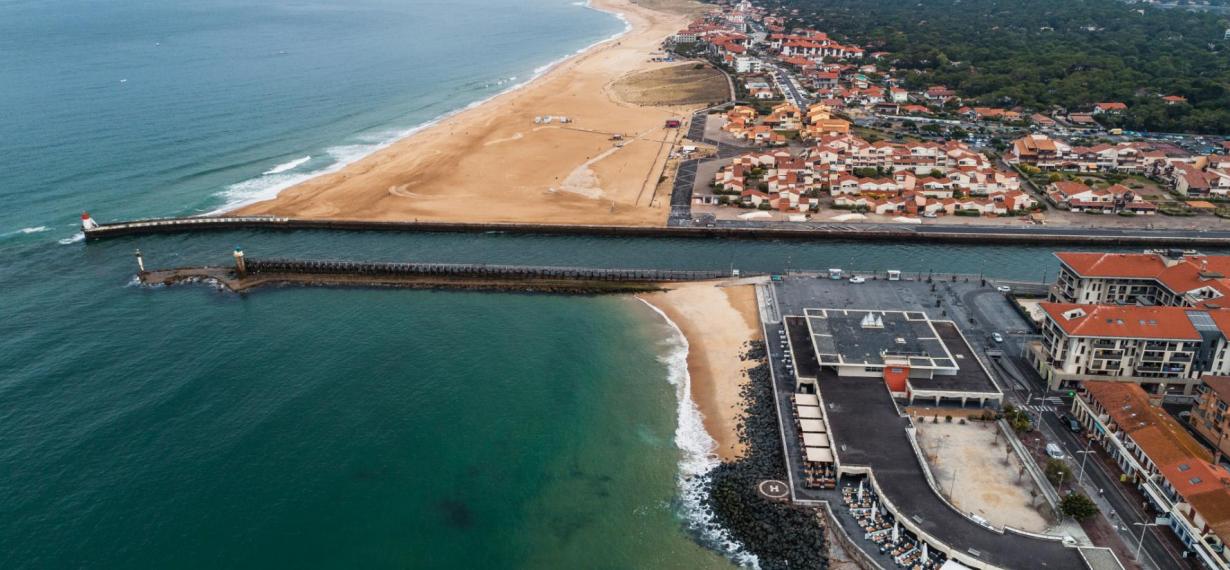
x=697 y=452
x=270 y=183
x=296 y=163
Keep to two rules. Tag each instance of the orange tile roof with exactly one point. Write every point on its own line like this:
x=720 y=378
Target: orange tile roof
x=1113 y=264
x=1122 y=321
x=1191 y=478
x=1158 y=434
x=1219 y=384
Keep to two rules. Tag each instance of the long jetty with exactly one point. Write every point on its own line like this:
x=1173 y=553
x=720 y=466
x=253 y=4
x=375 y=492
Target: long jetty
x=251 y=273
x=801 y=231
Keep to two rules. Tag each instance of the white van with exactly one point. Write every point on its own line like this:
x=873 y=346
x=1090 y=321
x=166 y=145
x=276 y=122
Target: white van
x=1053 y=451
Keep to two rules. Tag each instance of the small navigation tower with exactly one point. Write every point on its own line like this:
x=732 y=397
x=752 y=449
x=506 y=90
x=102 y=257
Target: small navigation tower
x=241 y=267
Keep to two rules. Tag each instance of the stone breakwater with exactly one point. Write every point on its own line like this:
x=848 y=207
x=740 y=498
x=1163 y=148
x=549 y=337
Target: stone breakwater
x=780 y=534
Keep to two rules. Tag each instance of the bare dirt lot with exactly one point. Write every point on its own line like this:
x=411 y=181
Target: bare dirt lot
x=686 y=84
x=979 y=475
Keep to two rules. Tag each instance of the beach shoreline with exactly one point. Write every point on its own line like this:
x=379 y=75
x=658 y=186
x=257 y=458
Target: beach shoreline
x=495 y=161
x=717 y=322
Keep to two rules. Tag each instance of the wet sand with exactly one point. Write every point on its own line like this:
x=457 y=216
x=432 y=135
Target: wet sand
x=494 y=163
x=717 y=321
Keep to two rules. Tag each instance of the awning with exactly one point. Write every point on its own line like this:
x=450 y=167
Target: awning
x=819 y=454
x=807 y=399
x=816 y=440
x=812 y=426
x=809 y=413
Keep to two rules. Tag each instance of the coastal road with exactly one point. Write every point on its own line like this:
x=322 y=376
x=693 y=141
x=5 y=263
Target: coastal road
x=1102 y=482
x=1141 y=234
x=1026 y=384
x=1123 y=510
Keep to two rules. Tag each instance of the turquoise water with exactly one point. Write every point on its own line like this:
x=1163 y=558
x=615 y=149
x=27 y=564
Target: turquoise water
x=191 y=428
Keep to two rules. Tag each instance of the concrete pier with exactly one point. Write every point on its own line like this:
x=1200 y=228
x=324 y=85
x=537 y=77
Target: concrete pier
x=748 y=230
x=252 y=273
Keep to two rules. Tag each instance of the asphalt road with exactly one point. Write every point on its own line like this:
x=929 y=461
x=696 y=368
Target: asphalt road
x=1053 y=428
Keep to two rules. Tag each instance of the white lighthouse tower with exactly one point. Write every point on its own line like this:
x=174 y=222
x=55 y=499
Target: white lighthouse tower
x=140 y=261
x=241 y=267
x=87 y=223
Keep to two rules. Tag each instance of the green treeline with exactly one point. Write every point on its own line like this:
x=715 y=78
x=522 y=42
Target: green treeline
x=1041 y=54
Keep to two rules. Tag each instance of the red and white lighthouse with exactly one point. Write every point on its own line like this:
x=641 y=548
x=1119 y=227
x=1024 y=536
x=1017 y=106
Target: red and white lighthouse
x=87 y=223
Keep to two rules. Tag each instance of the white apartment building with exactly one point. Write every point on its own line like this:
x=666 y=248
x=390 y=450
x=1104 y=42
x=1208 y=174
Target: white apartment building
x=1164 y=349
x=1172 y=278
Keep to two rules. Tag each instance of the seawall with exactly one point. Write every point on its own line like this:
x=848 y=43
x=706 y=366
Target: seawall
x=812 y=231
x=574 y=280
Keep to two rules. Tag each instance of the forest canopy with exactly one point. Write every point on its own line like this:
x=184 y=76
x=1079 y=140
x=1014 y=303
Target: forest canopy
x=1041 y=54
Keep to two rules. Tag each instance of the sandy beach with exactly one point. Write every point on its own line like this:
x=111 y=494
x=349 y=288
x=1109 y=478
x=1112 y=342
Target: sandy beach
x=717 y=321
x=495 y=163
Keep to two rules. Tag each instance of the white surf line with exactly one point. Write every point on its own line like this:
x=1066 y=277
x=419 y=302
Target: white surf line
x=698 y=451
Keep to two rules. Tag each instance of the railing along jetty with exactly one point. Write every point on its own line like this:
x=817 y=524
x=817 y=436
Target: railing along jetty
x=801 y=231
x=259 y=267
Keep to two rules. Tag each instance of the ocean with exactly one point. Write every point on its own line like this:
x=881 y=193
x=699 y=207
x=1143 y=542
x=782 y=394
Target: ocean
x=187 y=427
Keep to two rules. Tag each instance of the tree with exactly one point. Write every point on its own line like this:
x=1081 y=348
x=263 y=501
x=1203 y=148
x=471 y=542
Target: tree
x=1040 y=53
x=1078 y=506
x=1057 y=472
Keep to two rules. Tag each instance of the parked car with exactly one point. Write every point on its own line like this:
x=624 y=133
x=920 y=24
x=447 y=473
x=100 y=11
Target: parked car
x=1054 y=452
x=858 y=279
x=1004 y=289
x=1074 y=425
x=997 y=337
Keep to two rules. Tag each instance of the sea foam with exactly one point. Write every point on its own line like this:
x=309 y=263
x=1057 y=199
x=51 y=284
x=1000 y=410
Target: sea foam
x=26 y=231
x=697 y=452
x=296 y=163
x=270 y=183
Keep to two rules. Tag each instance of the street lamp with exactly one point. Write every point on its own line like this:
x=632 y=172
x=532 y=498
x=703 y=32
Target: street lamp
x=1080 y=478
x=1143 y=527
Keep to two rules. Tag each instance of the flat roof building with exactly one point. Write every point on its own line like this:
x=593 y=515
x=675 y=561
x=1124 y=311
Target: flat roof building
x=916 y=357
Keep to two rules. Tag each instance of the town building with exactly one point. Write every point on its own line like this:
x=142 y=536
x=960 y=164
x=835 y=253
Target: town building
x=1045 y=153
x=1164 y=349
x=1171 y=278
x=1078 y=197
x=1209 y=415
x=1188 y=492
x=1154 y=319
x=918 y=359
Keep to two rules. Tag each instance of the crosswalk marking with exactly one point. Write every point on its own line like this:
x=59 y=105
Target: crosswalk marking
x=1038 y=408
